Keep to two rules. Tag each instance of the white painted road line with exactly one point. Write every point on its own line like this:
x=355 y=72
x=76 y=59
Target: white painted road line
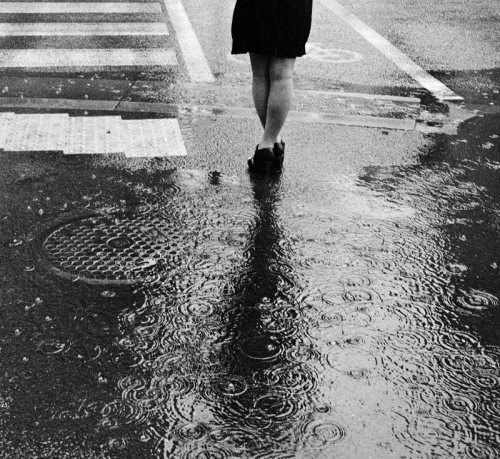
x=433 y=85
x=83 y=58
x=78 y=7
x=196 y=63
x=82 y=29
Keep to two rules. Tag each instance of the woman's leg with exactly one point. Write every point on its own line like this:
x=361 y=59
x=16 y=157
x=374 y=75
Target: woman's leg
x=279 y=99
x=260 y=84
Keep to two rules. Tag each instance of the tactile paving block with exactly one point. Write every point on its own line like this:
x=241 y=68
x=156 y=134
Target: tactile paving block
x=96 y=134
x=153 y=137
x=37 y=132
x=5 y=125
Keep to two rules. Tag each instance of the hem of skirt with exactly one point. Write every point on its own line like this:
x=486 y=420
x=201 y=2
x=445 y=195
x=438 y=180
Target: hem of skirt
x=270 y=52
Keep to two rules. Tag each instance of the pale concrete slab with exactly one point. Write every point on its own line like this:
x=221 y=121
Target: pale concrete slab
x=94 y=135
x=153 y=137
x=37 y=132
x=5 y=123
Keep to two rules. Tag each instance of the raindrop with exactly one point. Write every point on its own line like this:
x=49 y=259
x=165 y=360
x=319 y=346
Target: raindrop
x=197 y=308
x=485 y=381
x=193 y=431
x=177 y=384
x=297 y=379
x=229 y=386
x=321 y=433
x=476 y=300
x=323 y=408
x=206 y=452
x=457 y=341
x=302 y=353
x=456 y=268
x=117 y=443
x=260 y=348
x=353 y=362
x=278 y=406
x=460 y=403
x=481 y=450
x=108 y=293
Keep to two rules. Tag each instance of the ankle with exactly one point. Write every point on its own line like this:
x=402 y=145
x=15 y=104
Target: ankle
x=265 y=144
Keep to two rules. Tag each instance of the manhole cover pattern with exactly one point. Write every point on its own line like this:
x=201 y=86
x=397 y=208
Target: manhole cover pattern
x=119 y=250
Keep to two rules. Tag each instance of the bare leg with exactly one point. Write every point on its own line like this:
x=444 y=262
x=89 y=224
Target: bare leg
x=279 y=100
x=260 y=84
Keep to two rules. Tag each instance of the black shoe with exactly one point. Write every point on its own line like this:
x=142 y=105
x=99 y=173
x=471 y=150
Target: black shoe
x=279 y=155
x=262 y=161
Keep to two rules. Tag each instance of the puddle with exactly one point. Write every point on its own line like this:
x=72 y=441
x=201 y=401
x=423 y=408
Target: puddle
x=357 y=318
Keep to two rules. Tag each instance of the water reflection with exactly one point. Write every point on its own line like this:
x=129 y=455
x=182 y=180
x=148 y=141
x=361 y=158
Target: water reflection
x=453 y=276
x=261 y=331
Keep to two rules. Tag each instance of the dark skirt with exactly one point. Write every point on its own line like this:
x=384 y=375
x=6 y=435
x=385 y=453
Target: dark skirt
x=271 y=27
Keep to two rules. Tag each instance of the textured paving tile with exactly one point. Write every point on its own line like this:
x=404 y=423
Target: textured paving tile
x=37 y=132
x=157 y=137
x=97 y=134
x=5 y=122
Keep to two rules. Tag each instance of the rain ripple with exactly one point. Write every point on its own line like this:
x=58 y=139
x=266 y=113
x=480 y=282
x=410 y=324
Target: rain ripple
x=477 y=300
x=322 y=433
x=299 y=379
x=261 y=348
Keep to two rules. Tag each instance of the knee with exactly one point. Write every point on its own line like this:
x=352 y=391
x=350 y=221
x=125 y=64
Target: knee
x=278 y=73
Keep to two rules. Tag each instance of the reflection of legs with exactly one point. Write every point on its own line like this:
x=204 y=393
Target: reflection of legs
x=279 y=100
x=260 y=84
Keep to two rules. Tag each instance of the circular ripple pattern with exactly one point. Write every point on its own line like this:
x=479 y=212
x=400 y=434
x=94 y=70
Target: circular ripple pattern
x=229 y=386
x=120 y=250
x=476 y=300
x=261 y=348
x=192 y=431
x=321 y=433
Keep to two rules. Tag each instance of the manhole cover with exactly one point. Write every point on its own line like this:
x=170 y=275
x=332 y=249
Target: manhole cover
x=121 y=250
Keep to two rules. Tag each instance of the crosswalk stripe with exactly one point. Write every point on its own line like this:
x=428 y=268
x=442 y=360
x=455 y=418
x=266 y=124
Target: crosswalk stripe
x=104 y=57
x=82 y=29
x=78 y=7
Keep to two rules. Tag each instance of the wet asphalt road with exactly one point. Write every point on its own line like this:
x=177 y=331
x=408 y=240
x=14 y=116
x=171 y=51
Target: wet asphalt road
x=181 y=308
